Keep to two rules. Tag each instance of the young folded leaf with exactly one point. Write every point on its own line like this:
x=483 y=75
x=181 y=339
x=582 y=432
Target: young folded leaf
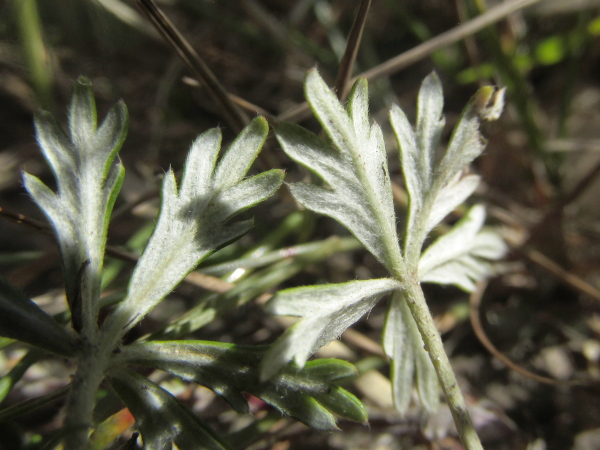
x=162 y=419
x=326 y=310
x=193 y=222
x=87 y=182
x=309 y=394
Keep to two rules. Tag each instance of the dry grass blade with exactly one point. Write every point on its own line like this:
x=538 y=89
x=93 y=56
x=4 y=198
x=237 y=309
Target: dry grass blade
x=234 y=116
x=347 y=63
x=403 y=60
x=419 y=52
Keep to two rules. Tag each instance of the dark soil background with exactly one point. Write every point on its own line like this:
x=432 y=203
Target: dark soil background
x=540 y=172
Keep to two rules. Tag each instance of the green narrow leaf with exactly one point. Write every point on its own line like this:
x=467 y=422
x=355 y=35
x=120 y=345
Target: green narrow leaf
x=14 y=375
x=23 y=320
x=58 y=151
x=162 y=419
x=434 y=193
x=310 y=395
x=328 y=110
x=452 y=195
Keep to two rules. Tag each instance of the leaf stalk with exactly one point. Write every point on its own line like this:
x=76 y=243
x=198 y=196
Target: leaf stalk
x=434 y=346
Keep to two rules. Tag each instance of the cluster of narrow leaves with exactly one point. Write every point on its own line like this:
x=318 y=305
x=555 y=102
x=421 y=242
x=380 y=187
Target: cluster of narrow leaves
x=194 y=221
x=356 y=191
x=310 y=395
x=232 y=370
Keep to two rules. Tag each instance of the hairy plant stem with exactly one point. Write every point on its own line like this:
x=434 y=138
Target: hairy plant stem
x=91 y=367
x=434 y=346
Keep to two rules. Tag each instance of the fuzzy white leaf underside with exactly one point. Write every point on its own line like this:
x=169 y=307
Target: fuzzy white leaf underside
x=458 y=257
x=410 y=363
x=354 y=166
x=327 y=310
x=193 y=222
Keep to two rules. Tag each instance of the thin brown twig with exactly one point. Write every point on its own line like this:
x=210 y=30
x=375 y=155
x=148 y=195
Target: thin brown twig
x=241 y=102
x=475 y=303
x=198 y=279
x=403 y=60
x=349 y=57
x=568 y=278
x=536 y=257
x=419 y=52
x=231 y=112
x=21 y=219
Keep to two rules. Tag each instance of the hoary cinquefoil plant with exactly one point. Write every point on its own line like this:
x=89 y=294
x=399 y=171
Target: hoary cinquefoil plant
x=194 y=221
x=356 y=191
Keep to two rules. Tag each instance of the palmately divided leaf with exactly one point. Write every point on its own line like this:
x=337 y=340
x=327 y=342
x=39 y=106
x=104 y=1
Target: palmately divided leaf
x=436 y=188
x=356 y=192
x=460 y=257
x=309 y=394
x=410 y=363
x=193 y=222
x=354 y=166
x=22 y=319
x=88 y=181
x=327 y=311
x=162 y=419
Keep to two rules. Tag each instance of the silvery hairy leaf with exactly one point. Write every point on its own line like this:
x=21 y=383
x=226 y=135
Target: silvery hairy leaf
x=436 y=185
x=410 y=363
x=461 y=256
x=353 y=165
x=161 y=418
x=87 y=181
x=310 y=395
x=356 y=191
x=194 y=220
x=326 y=310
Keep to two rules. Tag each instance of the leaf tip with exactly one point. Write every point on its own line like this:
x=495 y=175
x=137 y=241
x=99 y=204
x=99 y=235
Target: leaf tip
x=433 y=78
x=83 y=81
x=260 y=125
x=489 y=102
